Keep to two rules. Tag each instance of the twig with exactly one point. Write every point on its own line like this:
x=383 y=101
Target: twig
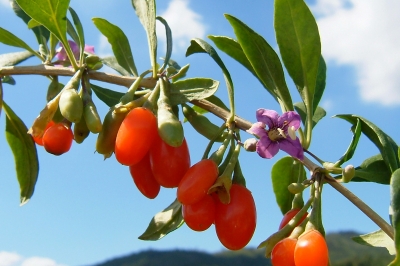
x=67 y=71
x=361 y=205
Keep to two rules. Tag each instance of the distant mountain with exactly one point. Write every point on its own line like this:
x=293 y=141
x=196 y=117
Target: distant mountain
x=342 y=250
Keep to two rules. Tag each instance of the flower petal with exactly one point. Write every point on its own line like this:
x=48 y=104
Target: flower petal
x=290 y=118
x=89 y=49
x=268 y=117
x=258 y=129
x=292 y=147
x=267 y=148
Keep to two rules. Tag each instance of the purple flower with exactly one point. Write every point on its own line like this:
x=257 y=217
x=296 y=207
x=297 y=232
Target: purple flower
x=279 y=135
x=62 y=55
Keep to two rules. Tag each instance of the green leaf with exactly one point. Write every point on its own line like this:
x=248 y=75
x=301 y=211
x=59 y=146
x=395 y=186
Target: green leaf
x=33 y=23
x=382 y=141
x=169 y=41
x=320 y=83
x=79 y=29
x=111 y=62
x=301 y=110
x=164 y=222
x=186 y=90
x=232 y=48
x=376 y=239
x=299 y=44
x=373 y=169
x=39 y=31
x=109 y=97
x=25 y=155
x=264 y=61
x=119 y=44
x=8 y=38
x=12 y=59
x=200 y=46
x=146 y=12
x=52 y=14
x=353 y=144
x=9 y=80
x=395 y=204
x=285 y=172
x=72 y=32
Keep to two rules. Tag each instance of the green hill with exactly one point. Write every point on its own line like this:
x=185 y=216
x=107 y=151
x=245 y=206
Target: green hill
x=343 y=252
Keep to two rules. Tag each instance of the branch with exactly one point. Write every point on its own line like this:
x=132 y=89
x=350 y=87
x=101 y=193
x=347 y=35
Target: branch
x=67 y=71
x=361 y=205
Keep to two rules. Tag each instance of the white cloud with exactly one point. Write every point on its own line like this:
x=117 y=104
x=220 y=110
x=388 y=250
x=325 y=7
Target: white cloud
x=5 y=3
x=38 y=261
x=364 y=34
x=185 y=24
x=14 y=259
x=9 y=258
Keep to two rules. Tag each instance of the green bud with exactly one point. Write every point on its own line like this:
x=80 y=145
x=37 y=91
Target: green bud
x=96 y=66
x=348 y=173
x=92 y=59
x=105 y=143
x=81 y=131
x=92 y=117
x=169 y=127
x=71 y=105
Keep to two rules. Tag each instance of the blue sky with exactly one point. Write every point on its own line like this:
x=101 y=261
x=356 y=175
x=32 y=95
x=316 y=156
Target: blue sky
x=86 y=210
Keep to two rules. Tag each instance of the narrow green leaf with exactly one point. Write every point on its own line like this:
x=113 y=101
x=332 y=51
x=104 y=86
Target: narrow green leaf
x=301 y=110
x=200 y=46
x=232 y=48
x=111 y=61
x=164 y=222
x=119 y=44
x=373 y=169
x=39 y=31
x=168 y=34
x=320 y=83
x=9 y=80
x=72 y=32
x=109 y=97
x=353 y=144
x=8 y=38
x=382 y=141
x=264 y=61
x=146 y=12
x=79 y=30
x=376 y=239
x=25 y=155
x=52 y=14
x=299 y=44
x=285 y=172
x=186 y=90
x=33 y=23
x=13 y=59
x=395 y=204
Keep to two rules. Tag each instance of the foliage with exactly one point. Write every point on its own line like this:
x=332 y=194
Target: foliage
x=163 y=91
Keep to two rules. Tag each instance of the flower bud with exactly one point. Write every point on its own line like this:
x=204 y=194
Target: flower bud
x=348 y=173
x=250 y=144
